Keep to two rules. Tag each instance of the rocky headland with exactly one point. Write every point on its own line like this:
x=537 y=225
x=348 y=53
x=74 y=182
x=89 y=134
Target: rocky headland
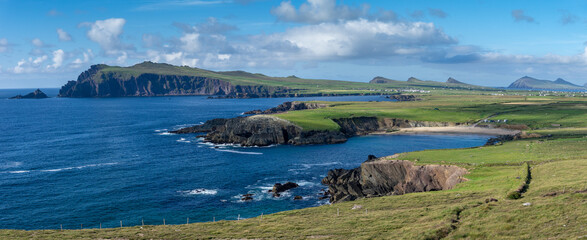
x=37 y=94
x=289 y=106
x=264 y=130
x=383 y=177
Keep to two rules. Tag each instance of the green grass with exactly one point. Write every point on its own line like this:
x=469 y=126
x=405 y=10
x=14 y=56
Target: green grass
x=536 y=113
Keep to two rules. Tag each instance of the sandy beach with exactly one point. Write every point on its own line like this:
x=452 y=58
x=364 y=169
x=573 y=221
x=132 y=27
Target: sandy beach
x=459 y=130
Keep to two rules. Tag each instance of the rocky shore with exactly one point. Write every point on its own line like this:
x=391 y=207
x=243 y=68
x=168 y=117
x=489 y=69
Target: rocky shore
x=264 y=130
x=382 y=177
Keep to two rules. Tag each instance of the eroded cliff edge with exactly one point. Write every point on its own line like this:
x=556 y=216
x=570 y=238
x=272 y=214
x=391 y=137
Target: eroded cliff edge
x=264 y=130
x=381 y=177
x=97 y=82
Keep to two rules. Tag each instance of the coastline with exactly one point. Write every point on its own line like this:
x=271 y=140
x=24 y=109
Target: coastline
x=451 y=130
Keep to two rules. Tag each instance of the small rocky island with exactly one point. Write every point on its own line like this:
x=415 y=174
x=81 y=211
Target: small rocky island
x=37 y=94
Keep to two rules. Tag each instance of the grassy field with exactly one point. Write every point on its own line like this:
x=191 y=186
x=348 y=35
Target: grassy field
x=556 y=194
x=535 y=112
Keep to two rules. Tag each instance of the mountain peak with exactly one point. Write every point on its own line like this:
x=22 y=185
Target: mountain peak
x=413 y=79
x=452 y=80
x=562 y=81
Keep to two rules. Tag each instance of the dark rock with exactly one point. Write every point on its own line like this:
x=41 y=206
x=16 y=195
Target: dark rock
x=389 y=177
x=488 y=200
x=37 y=94
x=289 y=106
x=247 y=198
x=403 y=98
x=298 y=198
x=278 y=187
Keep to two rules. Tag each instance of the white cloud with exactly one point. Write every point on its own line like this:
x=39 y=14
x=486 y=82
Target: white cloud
x=122 y=58
x=40 y=59
x=317 y=11
x=86 y=57
x=107 y=34
x=37 y=42
x=58 y=57
x=63 y=35
x=19 y=68
x=190 y=42
x=361 y=38
x=3 y=45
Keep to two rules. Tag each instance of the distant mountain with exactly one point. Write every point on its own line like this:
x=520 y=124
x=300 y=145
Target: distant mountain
x=415 y=82
x=533 y=83
x=452 y=80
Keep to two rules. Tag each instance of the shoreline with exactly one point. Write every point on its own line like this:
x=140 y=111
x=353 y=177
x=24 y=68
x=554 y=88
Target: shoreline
x=451 y=130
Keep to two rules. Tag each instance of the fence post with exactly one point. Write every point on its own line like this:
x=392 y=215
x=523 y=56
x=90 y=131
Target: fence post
x=81 y=226
x=238 y=218
x=337 y=212
x=61 y=227
x=142 y=222
x=188 y=221
x=214 y=219
x=120 y=223
x=100 y=225
x=163 y=221
x=261 y=216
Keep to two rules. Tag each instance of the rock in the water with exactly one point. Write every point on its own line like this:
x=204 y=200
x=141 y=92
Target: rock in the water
x=247 y=197
x=380 y=177
x=298 y=198
x=37 y=94
x=278 y=187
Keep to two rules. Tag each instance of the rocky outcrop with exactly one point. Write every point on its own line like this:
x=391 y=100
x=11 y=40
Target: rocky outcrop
x=98 y=82
x=264 y=130
x=37 y=94
x=365 y=125
x=261 y=130
x=289 y=106
x=381 y=177
x=279 y=188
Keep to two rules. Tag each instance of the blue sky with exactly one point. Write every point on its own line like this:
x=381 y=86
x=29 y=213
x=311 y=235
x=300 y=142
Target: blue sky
x=491 y=43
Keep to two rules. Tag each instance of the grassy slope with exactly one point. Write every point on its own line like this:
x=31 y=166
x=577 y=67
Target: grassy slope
x=420 y=215
x=536 y=112
x=302 y=86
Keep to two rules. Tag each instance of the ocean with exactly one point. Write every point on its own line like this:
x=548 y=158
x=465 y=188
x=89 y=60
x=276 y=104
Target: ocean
x=91 y=161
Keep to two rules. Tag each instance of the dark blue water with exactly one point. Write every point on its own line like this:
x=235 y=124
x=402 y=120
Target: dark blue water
x=91 y=161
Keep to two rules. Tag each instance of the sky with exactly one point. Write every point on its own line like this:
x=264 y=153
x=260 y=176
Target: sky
x=491 y=43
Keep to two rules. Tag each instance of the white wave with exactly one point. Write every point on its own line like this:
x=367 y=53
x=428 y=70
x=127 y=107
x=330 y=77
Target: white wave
x=10 y=164
x=309 y=165
x=79 y=167
x=200 y=191
x=161 y=130
x=304 y=183
x=239 y=152
x=166 y=134
x=22 y=171
x=183 y=140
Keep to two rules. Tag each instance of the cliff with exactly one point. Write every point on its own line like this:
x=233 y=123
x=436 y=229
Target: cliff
x=380 y=177
x=261 y=130
x=289 y=106
x=103 y=81
x=264 y=130
x=37 y=94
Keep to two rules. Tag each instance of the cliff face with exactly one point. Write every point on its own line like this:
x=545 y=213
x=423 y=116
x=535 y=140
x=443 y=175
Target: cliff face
x=378 y=177
x=96 y=83
x=365 y=125
x=261 y=130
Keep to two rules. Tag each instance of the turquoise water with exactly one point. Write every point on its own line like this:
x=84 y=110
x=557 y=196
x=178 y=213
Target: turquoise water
x=90 y=161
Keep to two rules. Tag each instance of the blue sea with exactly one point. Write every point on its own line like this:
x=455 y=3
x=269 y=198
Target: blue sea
x=67 y=162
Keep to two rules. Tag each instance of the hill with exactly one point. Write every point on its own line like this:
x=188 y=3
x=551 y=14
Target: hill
x=160 y=79
x=415 y=82
x=533 y=83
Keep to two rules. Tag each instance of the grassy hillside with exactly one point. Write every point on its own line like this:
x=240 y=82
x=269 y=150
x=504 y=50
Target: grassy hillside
x=533 y=83
x=556 y=210
x=535 y=112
